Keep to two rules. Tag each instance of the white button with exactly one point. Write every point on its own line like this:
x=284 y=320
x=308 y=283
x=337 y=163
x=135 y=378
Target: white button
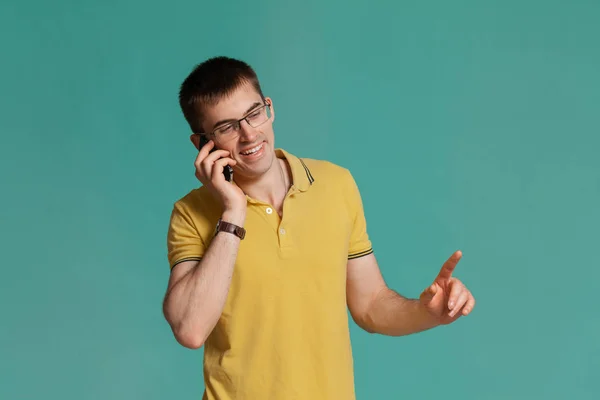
x=269 y=210
x=282 y=231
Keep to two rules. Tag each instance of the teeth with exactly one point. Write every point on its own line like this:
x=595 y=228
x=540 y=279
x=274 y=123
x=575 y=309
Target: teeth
x=252 y=150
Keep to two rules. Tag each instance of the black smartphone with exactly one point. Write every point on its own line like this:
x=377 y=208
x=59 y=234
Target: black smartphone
x=227 y=171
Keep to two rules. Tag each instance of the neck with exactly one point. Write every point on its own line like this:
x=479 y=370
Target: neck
x=272 y=187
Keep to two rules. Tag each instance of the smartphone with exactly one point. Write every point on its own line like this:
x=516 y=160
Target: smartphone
x=227 y=171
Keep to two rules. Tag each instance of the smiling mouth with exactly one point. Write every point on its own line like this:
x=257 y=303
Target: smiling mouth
x=253 y=150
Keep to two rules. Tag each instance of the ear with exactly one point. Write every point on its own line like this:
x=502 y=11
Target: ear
x=268 y=100
x=195 y=139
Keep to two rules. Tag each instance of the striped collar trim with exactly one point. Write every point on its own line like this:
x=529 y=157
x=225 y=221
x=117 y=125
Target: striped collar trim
x=302 y=177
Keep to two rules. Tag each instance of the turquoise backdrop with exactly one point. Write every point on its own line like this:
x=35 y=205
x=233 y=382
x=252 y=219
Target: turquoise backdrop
x=468 y=125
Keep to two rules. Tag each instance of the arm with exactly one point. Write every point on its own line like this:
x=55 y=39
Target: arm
x=378 y=309
x=197 y=290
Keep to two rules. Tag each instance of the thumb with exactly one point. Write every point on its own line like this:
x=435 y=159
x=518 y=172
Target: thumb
x=428 y=294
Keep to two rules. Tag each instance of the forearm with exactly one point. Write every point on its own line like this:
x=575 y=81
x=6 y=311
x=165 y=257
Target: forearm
x=195 y=303
x=394 y=315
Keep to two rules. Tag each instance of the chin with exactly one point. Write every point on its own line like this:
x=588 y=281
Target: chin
x=258 y=167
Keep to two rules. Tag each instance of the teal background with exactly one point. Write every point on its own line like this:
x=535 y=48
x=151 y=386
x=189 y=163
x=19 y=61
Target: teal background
x=468 y=125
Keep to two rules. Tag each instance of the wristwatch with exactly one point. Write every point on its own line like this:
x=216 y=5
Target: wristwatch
x=223 y=226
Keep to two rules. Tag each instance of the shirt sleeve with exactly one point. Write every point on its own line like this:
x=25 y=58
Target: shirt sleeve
x=360 y=244
x=184 y=243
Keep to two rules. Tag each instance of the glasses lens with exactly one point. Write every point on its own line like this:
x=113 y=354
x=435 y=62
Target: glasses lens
x=224 y=130
x=259 y=116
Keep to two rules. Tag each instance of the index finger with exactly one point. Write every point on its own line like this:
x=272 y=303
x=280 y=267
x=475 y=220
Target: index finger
x=449 y=265
x=204 y=150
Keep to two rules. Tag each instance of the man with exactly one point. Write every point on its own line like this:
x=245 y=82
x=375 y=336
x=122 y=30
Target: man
x=264 y=268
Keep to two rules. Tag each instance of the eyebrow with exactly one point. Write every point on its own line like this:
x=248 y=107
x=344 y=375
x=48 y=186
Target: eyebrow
x=227 y=121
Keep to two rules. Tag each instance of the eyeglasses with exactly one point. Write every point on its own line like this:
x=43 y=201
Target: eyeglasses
x=231 y=130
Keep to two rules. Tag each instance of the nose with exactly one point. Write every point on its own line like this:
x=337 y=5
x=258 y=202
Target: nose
x=247 y=133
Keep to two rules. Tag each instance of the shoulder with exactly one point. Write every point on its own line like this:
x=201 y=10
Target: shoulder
x=198 y=205
x=334 y=184
x=334 y=181
x=326 y=170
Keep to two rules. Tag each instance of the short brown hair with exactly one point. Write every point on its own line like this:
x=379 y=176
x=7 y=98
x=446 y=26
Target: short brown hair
x=209 y=82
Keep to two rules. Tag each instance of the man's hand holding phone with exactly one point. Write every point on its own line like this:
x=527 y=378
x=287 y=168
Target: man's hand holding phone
x=209 y=170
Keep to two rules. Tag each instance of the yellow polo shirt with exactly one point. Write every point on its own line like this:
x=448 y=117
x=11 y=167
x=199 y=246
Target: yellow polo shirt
x=283 y=333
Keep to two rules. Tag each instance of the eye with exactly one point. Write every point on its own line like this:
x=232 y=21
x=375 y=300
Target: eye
x=225 y=129
x=254 y=114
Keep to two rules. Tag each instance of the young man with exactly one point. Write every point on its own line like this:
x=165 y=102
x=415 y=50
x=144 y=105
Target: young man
x=264 y=268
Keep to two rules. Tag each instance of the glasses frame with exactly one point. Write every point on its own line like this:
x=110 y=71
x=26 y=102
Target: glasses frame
x=237 y=124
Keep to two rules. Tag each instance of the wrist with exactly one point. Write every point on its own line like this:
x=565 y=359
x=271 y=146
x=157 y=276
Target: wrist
x=429 y=319
x=236 y=217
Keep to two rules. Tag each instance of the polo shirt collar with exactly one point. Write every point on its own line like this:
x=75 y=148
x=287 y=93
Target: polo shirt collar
x=302 y=178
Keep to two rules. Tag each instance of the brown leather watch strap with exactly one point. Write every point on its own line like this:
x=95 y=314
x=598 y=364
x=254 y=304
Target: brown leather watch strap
x=223 y=226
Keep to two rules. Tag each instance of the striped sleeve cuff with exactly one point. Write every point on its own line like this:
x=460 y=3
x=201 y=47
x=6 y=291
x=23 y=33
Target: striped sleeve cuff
x=185 y=259
x=359 y=254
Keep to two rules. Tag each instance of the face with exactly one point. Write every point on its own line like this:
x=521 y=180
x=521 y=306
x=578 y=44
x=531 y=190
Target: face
x=238 y=105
